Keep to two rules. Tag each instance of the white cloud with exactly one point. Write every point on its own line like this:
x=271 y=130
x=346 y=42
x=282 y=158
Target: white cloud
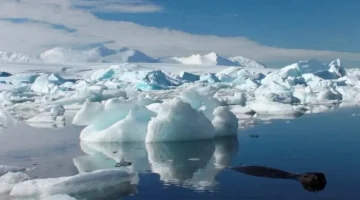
x=36 y=37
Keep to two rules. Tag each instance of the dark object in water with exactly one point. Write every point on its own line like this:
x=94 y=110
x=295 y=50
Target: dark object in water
x=123 y=163
x=311 y=181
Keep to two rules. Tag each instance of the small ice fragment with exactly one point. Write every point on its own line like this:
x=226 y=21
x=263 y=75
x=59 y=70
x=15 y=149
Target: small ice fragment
x=194 y=159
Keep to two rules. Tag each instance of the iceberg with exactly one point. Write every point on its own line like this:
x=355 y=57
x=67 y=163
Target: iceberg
x=123 y=130
x=172 y=117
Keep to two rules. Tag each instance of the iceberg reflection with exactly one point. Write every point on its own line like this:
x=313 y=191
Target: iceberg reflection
x=193 y=165
x=108 y=155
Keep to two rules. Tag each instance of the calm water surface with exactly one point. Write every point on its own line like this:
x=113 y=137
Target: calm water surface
x=327 y=143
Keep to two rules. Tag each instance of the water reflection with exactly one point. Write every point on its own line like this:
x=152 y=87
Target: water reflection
x=109 y=193
x=311 y=181
x=108 y=155
x=192 y=164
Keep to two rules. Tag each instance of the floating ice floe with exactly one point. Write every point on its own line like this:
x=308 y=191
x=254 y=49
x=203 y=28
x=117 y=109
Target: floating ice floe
x=92 y=185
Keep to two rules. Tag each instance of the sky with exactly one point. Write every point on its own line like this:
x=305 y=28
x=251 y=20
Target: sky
x=273 y=32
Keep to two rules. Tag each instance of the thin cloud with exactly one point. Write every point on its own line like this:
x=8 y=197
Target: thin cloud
x=118 y=6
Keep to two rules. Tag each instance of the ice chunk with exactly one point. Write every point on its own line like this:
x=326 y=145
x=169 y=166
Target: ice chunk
x=88 y=113
x=209 y=78
x=57 y=110
x=113 y=110
x=160 y=78
x=201 y=98
x=47 y=83
x=225 y=122
x=46 y=118
x=20 y=78
x=275 y=92
x=58 y=197
x=239 y=98
x=8 y=181
x=335 y=71
x=328 y=94
x=123 y=130
x=82 y=186
x=237 y=75
x=241 y=110
x=154 y=107
x=263 y=106
x=336 y=68
x=4 y=74
x=102 y=74
x=177 y=121
x=5 y=169
x=349 y=93
x=189 y=76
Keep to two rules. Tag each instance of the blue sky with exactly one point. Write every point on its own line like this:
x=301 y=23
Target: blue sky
x=309 y=24
x=270 y=31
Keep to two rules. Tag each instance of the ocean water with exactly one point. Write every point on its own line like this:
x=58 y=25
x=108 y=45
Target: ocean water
x=328 y=143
